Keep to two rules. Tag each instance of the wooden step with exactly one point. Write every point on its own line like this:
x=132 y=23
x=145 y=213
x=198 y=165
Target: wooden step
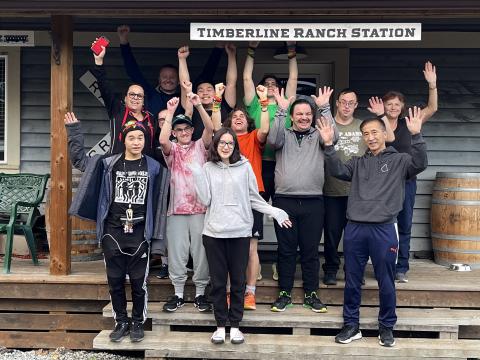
x=298 y=320
x=281 y=347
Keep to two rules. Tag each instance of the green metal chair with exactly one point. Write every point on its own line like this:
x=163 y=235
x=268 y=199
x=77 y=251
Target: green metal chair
x=20 y=196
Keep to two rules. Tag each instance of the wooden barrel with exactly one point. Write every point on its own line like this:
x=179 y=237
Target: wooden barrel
x=455 y=219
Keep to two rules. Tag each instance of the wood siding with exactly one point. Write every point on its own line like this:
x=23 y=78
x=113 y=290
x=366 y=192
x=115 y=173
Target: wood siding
x=452 y=134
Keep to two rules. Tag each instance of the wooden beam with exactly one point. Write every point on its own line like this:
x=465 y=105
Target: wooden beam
x=61 y=173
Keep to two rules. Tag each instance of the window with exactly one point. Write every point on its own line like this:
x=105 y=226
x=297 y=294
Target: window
x=3 y=107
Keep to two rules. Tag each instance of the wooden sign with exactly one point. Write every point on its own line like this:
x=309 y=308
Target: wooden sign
x=16 y=38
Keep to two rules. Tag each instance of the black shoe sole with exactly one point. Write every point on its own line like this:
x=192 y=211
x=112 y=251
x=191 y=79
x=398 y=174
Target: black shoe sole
x=119 y=339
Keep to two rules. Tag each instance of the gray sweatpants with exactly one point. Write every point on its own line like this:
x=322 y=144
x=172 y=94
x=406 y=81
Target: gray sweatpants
x=184 y=233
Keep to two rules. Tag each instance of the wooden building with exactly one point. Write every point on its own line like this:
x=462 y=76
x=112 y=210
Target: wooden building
x=43 y=80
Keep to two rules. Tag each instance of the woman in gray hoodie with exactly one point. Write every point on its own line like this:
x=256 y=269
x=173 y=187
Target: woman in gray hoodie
x=227 y=186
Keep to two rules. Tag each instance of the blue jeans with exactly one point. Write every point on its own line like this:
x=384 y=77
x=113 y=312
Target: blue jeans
x=404 y=220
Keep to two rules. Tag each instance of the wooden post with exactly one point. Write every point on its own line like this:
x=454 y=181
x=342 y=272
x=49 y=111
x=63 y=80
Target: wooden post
x=61 y=173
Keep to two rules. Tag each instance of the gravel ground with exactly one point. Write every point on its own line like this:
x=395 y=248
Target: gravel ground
x=59 y=354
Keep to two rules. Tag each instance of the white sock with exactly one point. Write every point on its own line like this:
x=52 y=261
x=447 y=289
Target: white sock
x=250 y=289
x=199 y=292
x=180 y=295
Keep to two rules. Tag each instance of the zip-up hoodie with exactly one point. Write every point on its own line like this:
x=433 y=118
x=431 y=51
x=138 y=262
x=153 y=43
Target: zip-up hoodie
x=230 y=193
x=378 y=182
x=299 y=168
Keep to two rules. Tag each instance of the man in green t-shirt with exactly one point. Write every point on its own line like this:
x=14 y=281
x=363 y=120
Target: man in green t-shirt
x=254 y=109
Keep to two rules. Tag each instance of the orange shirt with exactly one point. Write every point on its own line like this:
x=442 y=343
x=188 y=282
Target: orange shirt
x=251 y=148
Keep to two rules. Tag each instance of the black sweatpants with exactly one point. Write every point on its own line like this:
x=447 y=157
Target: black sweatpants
x=118 y=264
x=227 y=257
x=335 y=222
x=306 y=215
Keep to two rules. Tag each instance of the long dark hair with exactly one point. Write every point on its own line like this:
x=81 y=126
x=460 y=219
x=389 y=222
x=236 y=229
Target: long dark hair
x=213 y=150
x=250 y=122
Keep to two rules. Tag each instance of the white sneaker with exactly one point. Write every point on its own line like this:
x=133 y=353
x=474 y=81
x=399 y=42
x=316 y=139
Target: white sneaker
x=236 y=336
x=218 y=336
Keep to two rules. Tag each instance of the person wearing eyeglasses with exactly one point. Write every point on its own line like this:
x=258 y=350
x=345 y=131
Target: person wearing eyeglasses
x=227 y=186
x=120 y=111
x=185 y=215
x=336 y=191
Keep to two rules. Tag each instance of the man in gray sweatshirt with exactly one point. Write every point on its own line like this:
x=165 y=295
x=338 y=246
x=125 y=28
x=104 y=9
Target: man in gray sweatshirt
x=299 y=178
x=376 y=197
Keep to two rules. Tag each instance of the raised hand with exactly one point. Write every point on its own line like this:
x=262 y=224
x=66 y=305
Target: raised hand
x=325 y=128
x=187 y=86
x=230 y=49
x=414 y=120
x=70 y=118
x=172 y=105
x=99 y=58
x=262 y=92
x=123 y=31
x=280 y=98
x=253 y=44
x=194 y=99
x=323 y=97
x=430 y=73
x=376 y=106
x=219 y=90
x=183 y=52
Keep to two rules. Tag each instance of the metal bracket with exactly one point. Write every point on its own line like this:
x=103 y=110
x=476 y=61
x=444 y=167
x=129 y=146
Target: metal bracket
x=56 y=49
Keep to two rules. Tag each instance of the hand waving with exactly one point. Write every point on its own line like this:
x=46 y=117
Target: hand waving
x=414 y=120
x=323 y=97
x=325 y=128
x=280 y=98
x=376 y=106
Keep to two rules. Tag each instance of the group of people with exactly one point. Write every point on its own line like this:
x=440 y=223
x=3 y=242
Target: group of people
x=190 y=174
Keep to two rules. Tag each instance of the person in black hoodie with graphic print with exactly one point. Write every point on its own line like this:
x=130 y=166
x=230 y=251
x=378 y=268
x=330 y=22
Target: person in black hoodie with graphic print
x=122 y=111
x=376 y=197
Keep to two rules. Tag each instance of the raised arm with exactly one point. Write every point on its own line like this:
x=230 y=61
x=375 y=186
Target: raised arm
x=248 y=85
x=231 y=78
x=418 y=160
x=291 y=88
x=430 y=73
x=376 y=107
x=216 y=107
x=166 y=131
x=207 y=121
x=262 y=132
x=186 y=89
x=333 y=163
x=76 y=147
x=323 y=109
x=276 y=135
x=106 y=90
x=183 y=74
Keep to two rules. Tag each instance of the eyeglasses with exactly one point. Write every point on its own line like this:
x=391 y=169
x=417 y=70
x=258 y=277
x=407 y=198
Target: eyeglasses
x=230 y=144
x=348 y=103
x=181 y=130
x=135 y=96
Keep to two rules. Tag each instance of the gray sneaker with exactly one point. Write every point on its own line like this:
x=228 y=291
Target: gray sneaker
x=401 y=278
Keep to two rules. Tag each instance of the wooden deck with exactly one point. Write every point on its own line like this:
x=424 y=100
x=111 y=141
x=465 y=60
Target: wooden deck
x=39 y=310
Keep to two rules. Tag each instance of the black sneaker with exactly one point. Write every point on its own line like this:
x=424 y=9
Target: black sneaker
x=136 y=332
x=401 y=277
x=385 y=336
x=173 y=304
x=163 y=272
x=330 y=279
x=121 y=330
x=284 y=300
x=202 y=304
x=313 y=302
x=348 y=334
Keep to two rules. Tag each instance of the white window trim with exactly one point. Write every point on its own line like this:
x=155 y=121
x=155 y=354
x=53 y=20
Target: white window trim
x=5 y=143
x=11 y=162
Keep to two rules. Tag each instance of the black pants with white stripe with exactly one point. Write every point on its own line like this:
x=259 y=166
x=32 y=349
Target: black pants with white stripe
x=119 y=263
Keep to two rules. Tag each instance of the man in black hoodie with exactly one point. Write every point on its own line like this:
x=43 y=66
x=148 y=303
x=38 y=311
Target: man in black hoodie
x=376 y=198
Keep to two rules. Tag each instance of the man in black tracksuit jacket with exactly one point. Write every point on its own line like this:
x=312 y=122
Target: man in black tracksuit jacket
x=376 y=198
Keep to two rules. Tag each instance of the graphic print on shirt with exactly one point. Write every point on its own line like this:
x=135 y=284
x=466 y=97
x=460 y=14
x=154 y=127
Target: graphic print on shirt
x=348 y=142
x=131 y=187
